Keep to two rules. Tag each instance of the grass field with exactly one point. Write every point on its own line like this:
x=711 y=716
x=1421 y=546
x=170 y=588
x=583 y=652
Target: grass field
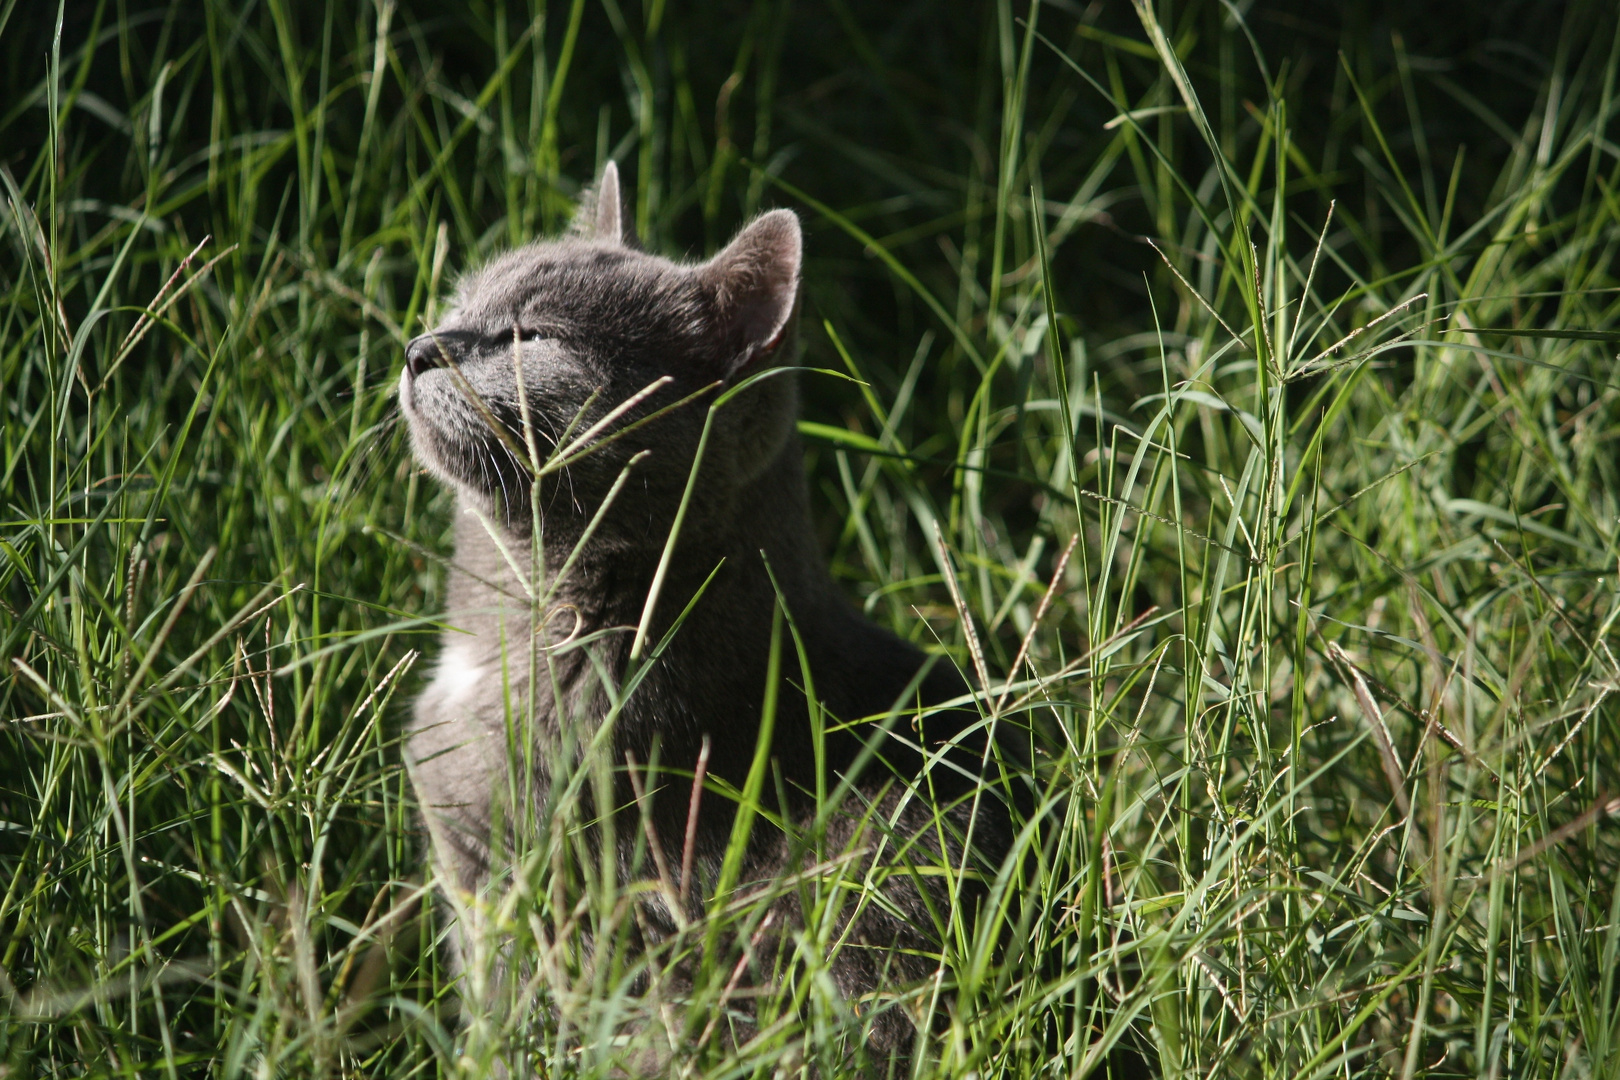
x=1303 y=320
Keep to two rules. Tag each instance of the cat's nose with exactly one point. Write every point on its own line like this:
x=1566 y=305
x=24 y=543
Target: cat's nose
x=422 y=354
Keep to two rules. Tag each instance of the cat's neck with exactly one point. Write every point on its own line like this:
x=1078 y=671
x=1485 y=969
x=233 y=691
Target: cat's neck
x=766 y=522
x=707 y=681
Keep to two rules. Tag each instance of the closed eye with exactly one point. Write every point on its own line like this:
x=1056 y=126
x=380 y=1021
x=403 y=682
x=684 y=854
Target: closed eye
x=500 y=341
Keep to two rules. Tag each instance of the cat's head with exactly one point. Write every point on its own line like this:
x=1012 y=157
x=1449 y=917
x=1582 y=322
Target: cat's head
x=593 y=321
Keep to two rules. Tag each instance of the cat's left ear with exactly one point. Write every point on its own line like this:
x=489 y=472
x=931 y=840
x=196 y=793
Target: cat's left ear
x=756 y=281
x=600 y=215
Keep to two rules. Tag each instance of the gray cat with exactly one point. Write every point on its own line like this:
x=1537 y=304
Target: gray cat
x=595 y=321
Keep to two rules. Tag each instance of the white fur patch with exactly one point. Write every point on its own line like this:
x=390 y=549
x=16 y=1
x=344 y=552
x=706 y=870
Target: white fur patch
x=457 y=675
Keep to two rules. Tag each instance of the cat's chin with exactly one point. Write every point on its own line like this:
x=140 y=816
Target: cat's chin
x=425 y=437
x=407 y=393
x=426 y=446
x=422 y=435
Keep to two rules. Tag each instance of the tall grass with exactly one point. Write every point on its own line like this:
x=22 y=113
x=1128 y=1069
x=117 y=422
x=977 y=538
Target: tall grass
x=1324 y=694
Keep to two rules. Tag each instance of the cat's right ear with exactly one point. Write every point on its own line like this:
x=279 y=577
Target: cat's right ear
x=600 y=215
x=756 y=281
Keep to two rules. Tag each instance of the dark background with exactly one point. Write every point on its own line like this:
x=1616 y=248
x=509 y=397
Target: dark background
x=888 y=112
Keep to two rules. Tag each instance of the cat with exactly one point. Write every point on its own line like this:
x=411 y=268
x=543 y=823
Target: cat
x=594 y=321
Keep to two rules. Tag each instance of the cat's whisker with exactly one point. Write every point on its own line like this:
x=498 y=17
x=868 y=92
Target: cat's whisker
x=506 y=496
x=520 y=470
x=555 y=437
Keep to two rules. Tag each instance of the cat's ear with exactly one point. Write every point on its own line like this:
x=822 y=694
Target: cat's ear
x=600 y=215
x=756 y=281
x=609 y=206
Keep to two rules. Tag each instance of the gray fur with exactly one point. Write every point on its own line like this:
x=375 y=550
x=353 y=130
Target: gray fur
x=595 y=314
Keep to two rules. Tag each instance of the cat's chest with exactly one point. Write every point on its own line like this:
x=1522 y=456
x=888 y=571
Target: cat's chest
x=462 y=672
x=454 y=734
